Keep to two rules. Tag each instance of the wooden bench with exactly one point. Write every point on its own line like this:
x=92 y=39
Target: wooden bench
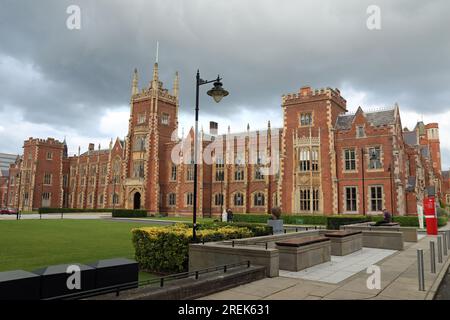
x=301 y=253
x=344 y=242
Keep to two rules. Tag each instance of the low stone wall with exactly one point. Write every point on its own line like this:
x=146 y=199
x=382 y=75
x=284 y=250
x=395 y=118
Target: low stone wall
x=409 y=233
x=392 y=240
x=299 y=258
x=270 y=240
x=202 y=256
x=346 y=245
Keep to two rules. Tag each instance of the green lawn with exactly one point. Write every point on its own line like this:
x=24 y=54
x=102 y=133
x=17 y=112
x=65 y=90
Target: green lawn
x=31 y=244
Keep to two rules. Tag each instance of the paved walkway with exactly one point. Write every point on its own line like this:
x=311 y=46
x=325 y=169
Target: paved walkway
x=399 y=280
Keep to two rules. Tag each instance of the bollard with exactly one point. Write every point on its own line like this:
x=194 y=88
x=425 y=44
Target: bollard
x=439 y=244
x=266 y=245
x=444 y=243
x=448 y=239
x=433 y=257
x=420 y=270
x=232 y=243
x=196 y=275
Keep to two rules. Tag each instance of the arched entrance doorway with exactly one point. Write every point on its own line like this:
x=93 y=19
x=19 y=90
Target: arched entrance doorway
x=137 y=201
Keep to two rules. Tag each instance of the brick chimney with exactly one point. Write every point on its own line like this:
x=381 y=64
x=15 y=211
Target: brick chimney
x=91 y=147
x=213 y=128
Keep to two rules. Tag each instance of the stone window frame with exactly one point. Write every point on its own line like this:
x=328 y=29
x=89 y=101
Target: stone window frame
x=356 y=199
x=344 y=160
x=257 y=204
x=48 y=179
x=369 y=196
x=101 y=199
x=141 y=118
x=358 y=135
x=165 y=119
x=172 y=199
x=311 y=201
x=215 y=197
x=236 y=174
x=447 y=196
x=190 y=173
x=367 y=155
x=219 y=168
x=49 y=155
x=233 y=196
x=311 y=120
x=115 y=198
x=189 y=199
x=173 y=172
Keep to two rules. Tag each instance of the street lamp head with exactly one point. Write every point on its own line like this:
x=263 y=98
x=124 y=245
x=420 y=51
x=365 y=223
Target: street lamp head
x=217 y=92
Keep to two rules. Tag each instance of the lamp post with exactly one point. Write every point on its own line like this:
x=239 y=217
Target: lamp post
x=373 y=156
x=392 y=190
x=217 y=93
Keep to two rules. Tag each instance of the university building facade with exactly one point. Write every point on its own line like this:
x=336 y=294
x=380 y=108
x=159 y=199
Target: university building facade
x=323 y=160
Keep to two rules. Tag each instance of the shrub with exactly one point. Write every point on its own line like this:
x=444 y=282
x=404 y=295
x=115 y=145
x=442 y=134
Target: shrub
x=334 y=222
x=166 y=249
x=125 y=213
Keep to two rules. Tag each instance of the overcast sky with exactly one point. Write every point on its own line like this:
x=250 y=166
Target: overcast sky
x=76 y=83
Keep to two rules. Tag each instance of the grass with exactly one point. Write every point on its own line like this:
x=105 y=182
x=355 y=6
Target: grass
x=32 y=244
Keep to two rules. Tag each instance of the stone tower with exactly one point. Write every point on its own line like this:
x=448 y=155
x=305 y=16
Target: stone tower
x=153 y=119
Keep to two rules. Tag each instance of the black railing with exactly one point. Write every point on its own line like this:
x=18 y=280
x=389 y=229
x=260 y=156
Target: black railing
x=161 y=280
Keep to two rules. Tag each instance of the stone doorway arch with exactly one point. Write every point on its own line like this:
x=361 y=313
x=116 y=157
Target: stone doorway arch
x=137 y=201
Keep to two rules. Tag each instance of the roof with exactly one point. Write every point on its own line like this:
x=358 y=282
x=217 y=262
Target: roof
x=377 y=118
x=446 y=174
x=410 y=138
x=95 y=152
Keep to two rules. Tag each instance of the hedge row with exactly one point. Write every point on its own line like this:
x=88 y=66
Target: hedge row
x=70 y=210
x=127 y=213
x=333 y=222
x=166 y=249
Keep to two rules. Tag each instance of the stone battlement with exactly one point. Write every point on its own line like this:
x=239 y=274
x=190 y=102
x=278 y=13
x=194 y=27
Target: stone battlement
x=306 y=93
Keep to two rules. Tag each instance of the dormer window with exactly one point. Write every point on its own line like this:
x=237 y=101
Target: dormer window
x=360 y=132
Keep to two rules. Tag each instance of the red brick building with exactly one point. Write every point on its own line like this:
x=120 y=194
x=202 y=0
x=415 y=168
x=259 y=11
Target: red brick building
x=323 y=161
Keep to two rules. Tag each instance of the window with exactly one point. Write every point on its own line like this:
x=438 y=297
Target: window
x=448 y=199
x=190 y=173
x=65 y=181
x=219 y=169
x=141 y=118
x=138 y=169
x=258 y=173
x=189 y=199
x=360 y=132
x=49 y=155
x=374 y=158
x=350 y=159
x=47 y=178
x=258 y=199
x=306 y=119
x=309 y=200
x=238 y=173
x=350 y=199
x=115 y=198
x=165 y=119
x=218 y=199
x=139 y=143
x=238 y=199
x=172 y=199
x=100 y=200
x=376 y=198
x=304 y=160
x=46 y=199
x=90 y=198
x=116 y=171
x=173 y=174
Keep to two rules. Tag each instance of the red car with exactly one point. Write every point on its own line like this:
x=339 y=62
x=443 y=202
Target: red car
x=8 y=211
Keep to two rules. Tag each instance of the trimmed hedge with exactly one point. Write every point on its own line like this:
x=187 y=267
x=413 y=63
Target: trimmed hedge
x=70 y=210
x=256 y=229
x=166 y=249
x=334 y=222
x=126 y=213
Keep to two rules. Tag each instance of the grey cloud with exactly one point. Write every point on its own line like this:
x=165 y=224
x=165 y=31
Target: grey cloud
x=262 y=49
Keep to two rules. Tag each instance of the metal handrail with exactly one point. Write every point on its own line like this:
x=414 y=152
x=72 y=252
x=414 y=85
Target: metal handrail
x=132 y=285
